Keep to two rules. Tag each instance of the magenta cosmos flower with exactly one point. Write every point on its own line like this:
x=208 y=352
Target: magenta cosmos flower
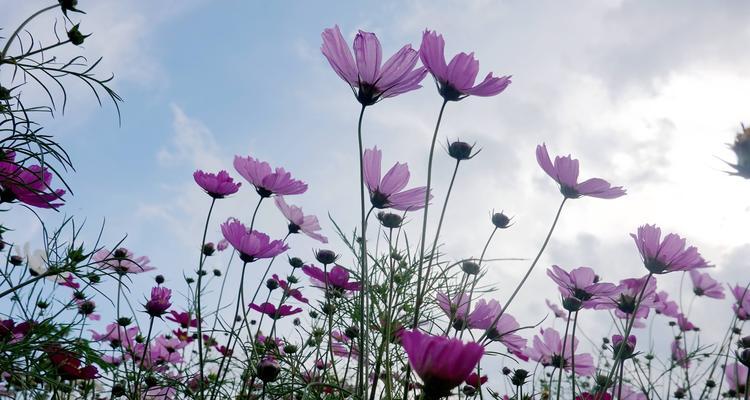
x=486 y=313
x=218 y=185
x=268 y=182
x=548 y=350
x=581 y=283
x=273 y=312
x=387 y=192
x=565 y=172
x=741 y=306
x=455 y=80
x=442 y=363
x=704 y=285
x=370 y=81
x=668 y=255
x=299 y=222
x=159 y=302
x=662 y=305
x=623 y=348
x=185 y=319
x=29 y=185
x=122 y=261
x=337 y=278
x=684 y=324
x=288 y=290
x=625 y=300
x=736 y=375
x=252 y=245
x=457 y=309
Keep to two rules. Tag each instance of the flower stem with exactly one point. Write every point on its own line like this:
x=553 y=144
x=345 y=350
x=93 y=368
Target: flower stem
x=573 y=357
x=562 y=356
x=20 y=27
x=531 y=268
x=231 y=332
x=361 y=381
x=201 y=260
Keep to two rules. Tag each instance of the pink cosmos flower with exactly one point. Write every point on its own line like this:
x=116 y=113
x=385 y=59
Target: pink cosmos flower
x=679 y=355
x=307 y=224
x=271 y=310
x=116 y=335
x=69 y=281
x=668 y=255
x=581 y=283
x=704 y=285
x=741 y=306
x=455 y=80
x=629 y=346
x=557 y=311
x=342 y=346
x=370 y=81
x=218 y=185
x=184 y=319
x=475 y=380
x=387 y=192
x=266 y=181
x=736 y=374
x=440 y=375
x=662 y=305
x=159 y=302
x=684 y=324
x=485 y=313
x=626 y=298
x=122 y=261
x=565 y=173
x=548 y=350
x=171 y=344
x=28 y=185
x=252 y=245
x=456 y=309
x=295 y=293
x=337 y=278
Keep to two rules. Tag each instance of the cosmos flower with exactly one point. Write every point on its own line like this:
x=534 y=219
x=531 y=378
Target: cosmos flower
x=475 y=380
x=273 y=312
x=440 y=374
x=183 y=318
x=268 y=182
x=741 y=306
x=684 y=324
x=252 y=245
x=668 y=255
x=116 y=335
x=122 y=261
x=456 y=309
x=484 y=315
x=704 y=285
x=625 y=300
x=741 y=148
x=370 y=81
x=159 y=302
x=735 y=374
x=662 y=305
x=548 y=350
x=679 y=355
x=288 y=290
x=298 y=221
x=388 y=191
x=565 y=172
x=455 y=80
x=557 y=311
x=337 y=278
x=29 y=185
x=218 y=185
x=581 y=283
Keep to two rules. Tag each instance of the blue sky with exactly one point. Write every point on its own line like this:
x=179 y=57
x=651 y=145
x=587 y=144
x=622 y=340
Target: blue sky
x=646 y=94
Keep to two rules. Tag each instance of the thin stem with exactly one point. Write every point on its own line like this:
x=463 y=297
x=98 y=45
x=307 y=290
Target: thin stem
x=419 y=300
x=573 y=357
x=361 y=381
x=201 y=261
x=20 y=27
x=562 y=356
x=531 y=268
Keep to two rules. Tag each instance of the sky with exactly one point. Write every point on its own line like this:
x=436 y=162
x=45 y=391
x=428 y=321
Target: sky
x=646 y=94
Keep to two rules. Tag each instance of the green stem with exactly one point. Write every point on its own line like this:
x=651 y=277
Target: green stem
x=201 y=261
x=573 y=356
x=20 y=27
x=562 y=356
x=361 y=380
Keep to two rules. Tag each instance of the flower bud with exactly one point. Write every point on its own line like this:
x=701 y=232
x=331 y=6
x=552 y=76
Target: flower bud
x=159 y=279
x=124 y=321
x=296 y=262
x=470 y=267
x=469 y=390
x=572 y=304
x=75 y=36
x=506 y=371
x=519 y=377
x=390 y=220
x=500 y=220
x=461 y=150
x=326 y=256
x=745 y=342
x=741 y=148
x=351 y=332
x=217 y=272
x=272 y=284
x=290 y=349
x=4 y=93
x=268 y=370
x=209 y=249
x=16 y=260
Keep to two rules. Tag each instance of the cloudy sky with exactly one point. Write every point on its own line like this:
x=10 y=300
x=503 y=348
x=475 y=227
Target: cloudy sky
x=645 y=94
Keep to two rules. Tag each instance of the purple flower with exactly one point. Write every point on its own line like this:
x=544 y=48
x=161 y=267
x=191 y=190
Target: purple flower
x=668 y=255
x=456 y=309
x=337 y=278
x=218 y=185
x=629 y=346
x=684 y=324
x=116 y=335
x=662 y=305
x=370 y=81
x=565 y=173
x=298 y=221
x=222 y=245
x=184 y=319
x=273 y=312
x=581 y=283
x=485 y=313
x=735 y=376
x=679 y=355
x=741 y=306
x=266 y=181
x=440 y=374
x=159 y=302
x=284 y=285
x=625 y=299
x=704 y=285
x=548 y=350
x=252 y=245
x=29 y=185
x=122 y=261
x=455 y=81
x=387 y=192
